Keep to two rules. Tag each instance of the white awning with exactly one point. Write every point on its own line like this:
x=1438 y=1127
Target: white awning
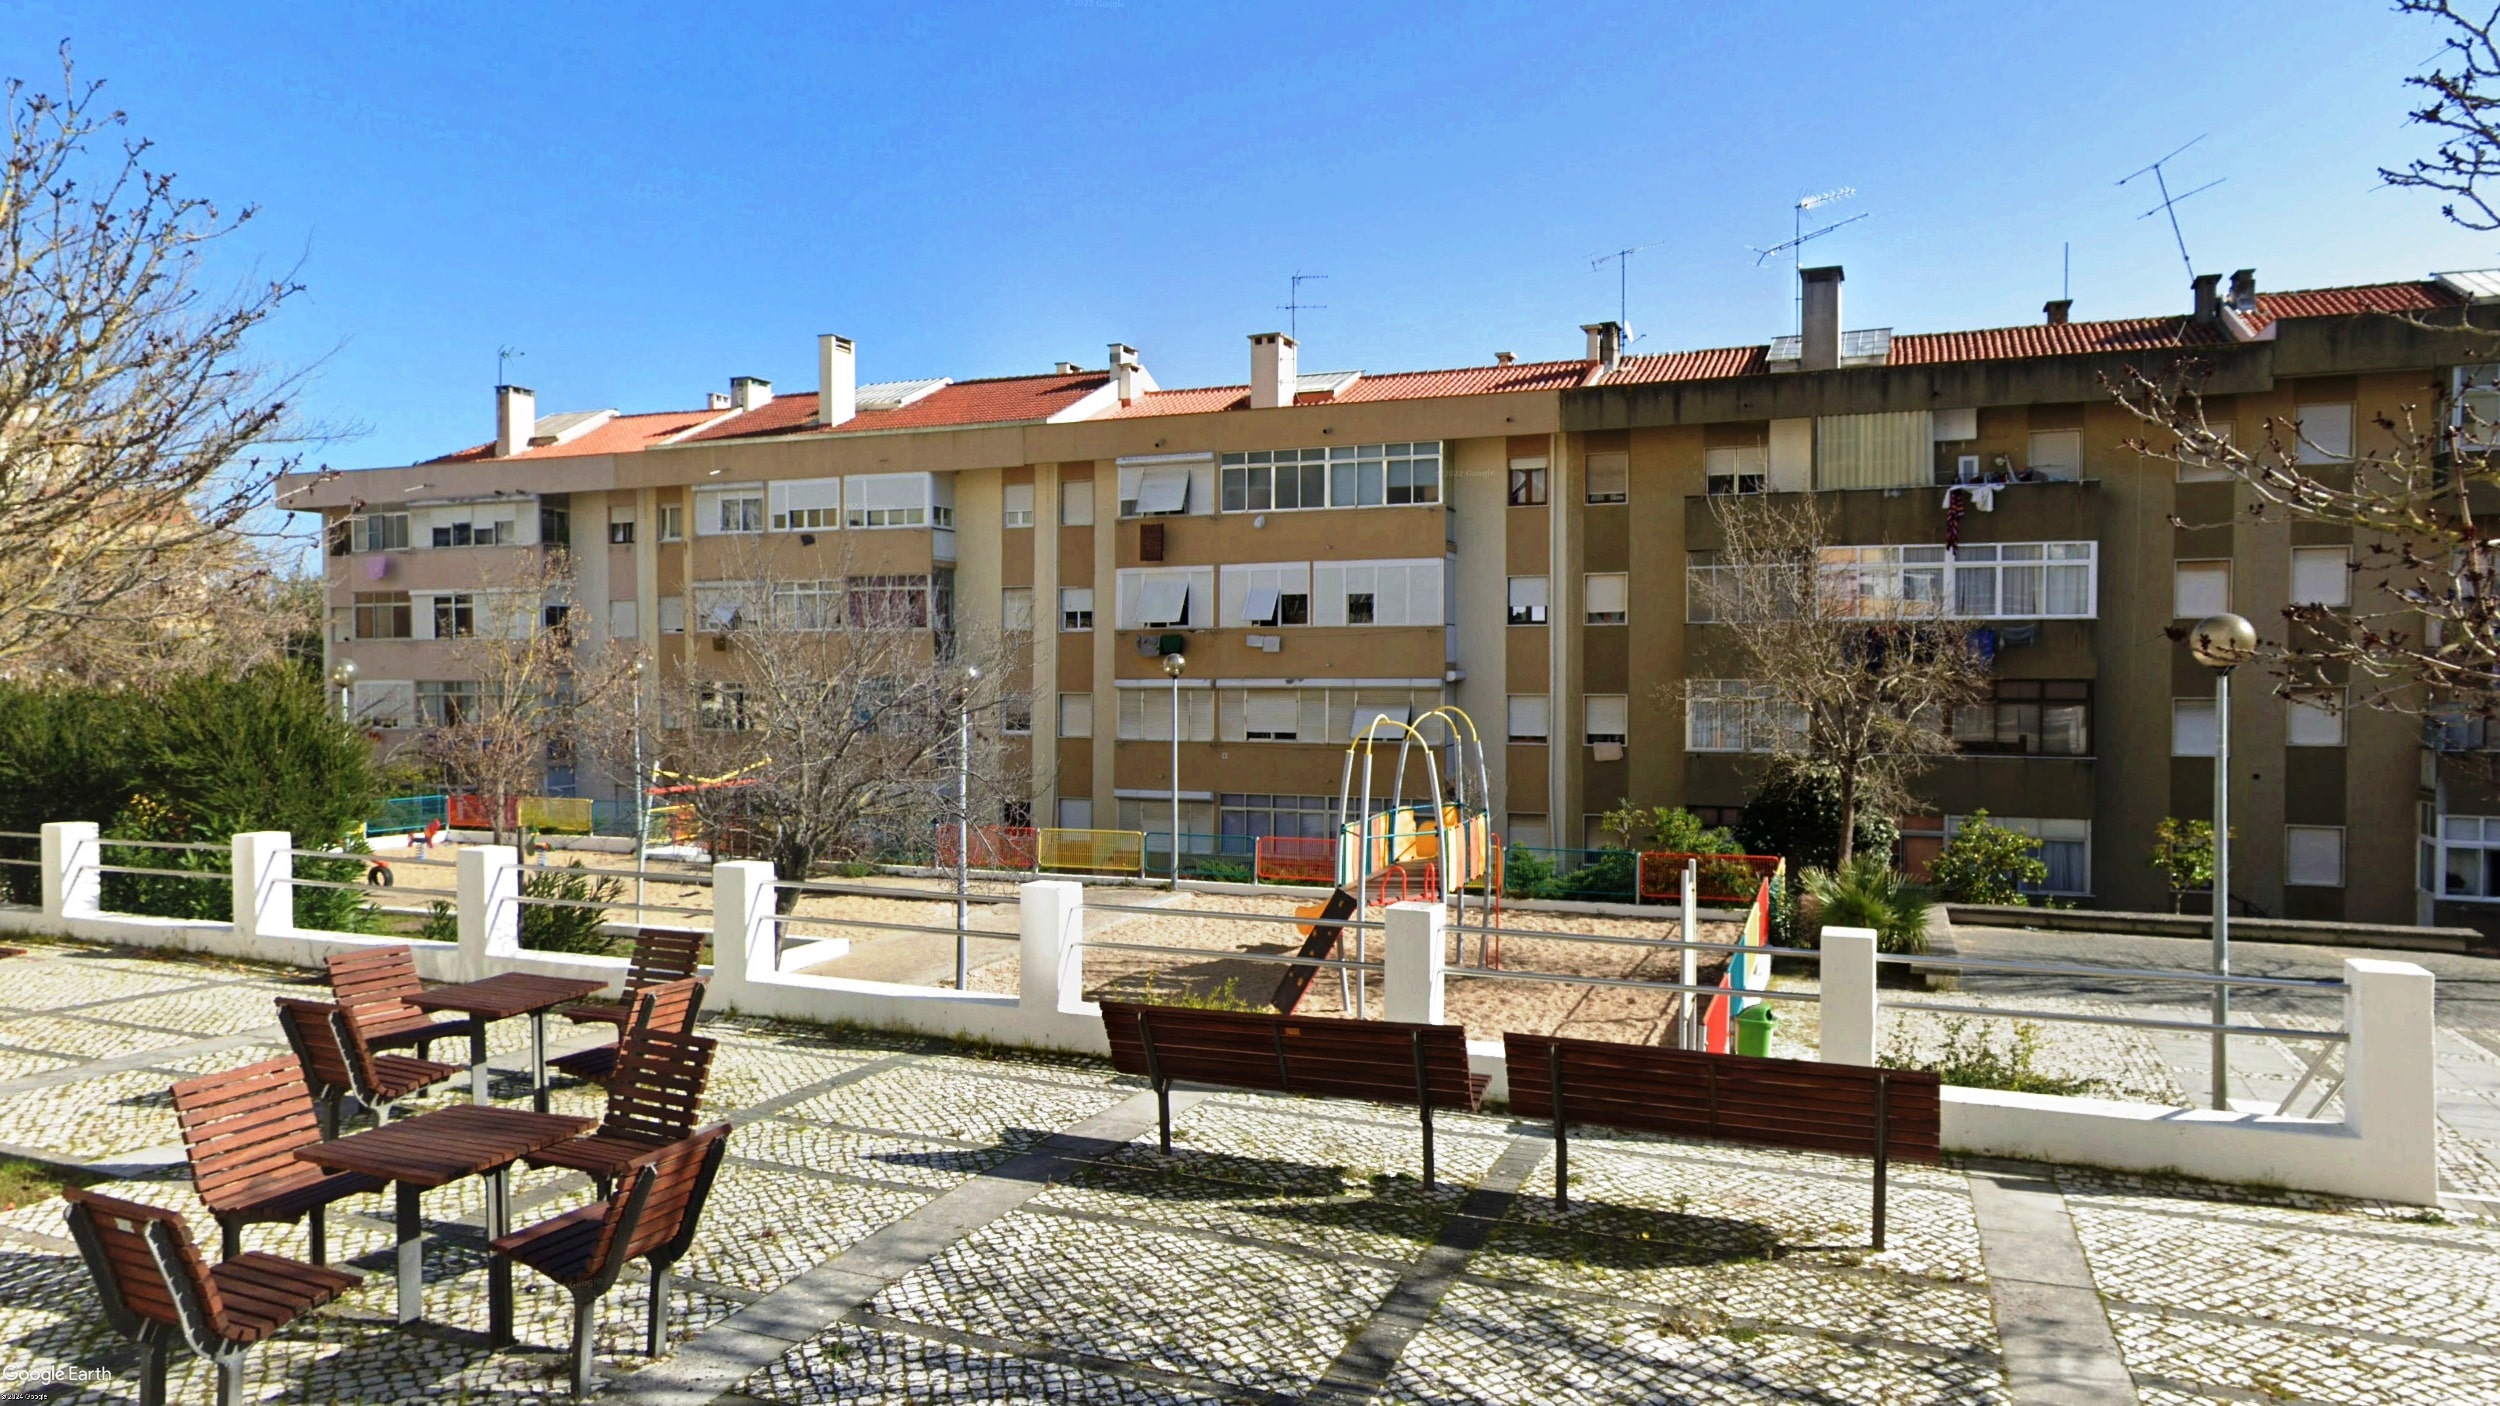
x=1163 y=489
x=1163 y=600
x=1260 y=607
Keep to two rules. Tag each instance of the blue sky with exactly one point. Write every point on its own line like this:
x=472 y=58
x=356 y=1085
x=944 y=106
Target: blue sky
x=650 y=200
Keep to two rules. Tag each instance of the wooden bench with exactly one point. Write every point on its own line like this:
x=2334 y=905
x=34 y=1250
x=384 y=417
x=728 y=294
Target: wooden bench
x=668 y=1007
x=154 y=1289
x=337 y=1061
x=1424 y=1066
x=1793 y=1103
x=376 y=984
x=653 y=1216
x=661 y=955
x=240 y=1133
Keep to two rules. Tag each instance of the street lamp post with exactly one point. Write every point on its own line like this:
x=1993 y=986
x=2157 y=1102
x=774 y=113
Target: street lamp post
x=2222 y=643
x=1175 y=665
x=343 y=678
x=963 y=830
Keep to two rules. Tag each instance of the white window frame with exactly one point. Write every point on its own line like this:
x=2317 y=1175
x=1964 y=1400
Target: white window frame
x=2295 y=875
x=1529 y=718
x=2325 y=433
x=1076 y=715
x=1015 y=505
x=2192 y=723
x=2056 y=455
x=380 y=532
x=809 y=607
x=1404 y=591
x=1529 y=596
x=1738 y=468
x=730 y=510
x=1076 y=503
x=2184 y=576
x=1605 y=597
x=2314 y=724
x=672 y=615
x=1253 y=593
x=2048 y=832
x=1599 y=709
x=1979 y=581
x=1393 y=475
x=804 y=504
x=883 y=502
x=1075 y=601
x=672 y=522
x=384 y=704
x=1606 y=477
x=1015 y=610
x=1136 y=589
x=2322 y=576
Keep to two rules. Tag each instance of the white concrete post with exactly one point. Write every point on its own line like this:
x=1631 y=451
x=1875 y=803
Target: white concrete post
x=742 y=925
x=489 y=890
x=2390 y=1074
x=1849 y=996
x=1413 y=963
x=264 y=884
x=73 y=886
x=1052 y=950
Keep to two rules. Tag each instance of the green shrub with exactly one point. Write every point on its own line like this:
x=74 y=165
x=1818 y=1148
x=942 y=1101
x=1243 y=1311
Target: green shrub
x=1220 y=871
x=565 y=928
x=1796 y=814
x=1987 y=863
x=1971 y=1060
x=1525 y=873
x=2183 y=850
x=1867 y=893
x=1671 y=829
x=442 y=923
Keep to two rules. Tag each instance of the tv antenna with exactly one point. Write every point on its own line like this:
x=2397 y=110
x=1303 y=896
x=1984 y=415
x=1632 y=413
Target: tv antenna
x=1293 y=307
x=1622 y=260
x=1800 y=236
x=504 y=357
x=2170 y=203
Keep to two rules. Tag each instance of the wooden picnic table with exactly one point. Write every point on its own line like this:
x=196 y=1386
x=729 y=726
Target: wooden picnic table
x=436 y=1149
x=501 y=997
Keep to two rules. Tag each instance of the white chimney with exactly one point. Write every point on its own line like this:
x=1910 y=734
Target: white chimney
x=516 y=419
x=1124 y=368
x=837 y=380
x=1275 y=370
x=750 y=392
x=718 y=400
x=1819 y=348
x=1605 y=344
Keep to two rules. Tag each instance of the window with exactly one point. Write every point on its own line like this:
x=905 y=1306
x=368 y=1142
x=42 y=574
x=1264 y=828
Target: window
x=1271 y=715
x=2199 y=589
x=2029 y=718
x=720 y=607
x=1374 y=475
x=1165 y=598
x=624 y=620
x=2056 y=454
x=2325 y=434
x=1610 y=477
x=1016 y=505
x=812 y=606
x=620 y=527
x=1076 y=509
x=672 y=615
x=723 y=707
x=2476 y=407
x=1015 y=610
x=1527 y=483
x=1737 y=715
x=1260 y=816
x=1146 y=714
x=1527 y=600
x=1608 y=597
x=1279 y=480
x=446 y=702
x=1162 y=490
x=1528 y=717
x=2313 y=856
x=886 y=500
x=2065 y=847
x=1015 y=714
x=886 y=602
x=2469 y=862
x=383 y=703
x=2191 y=727
x=1265 y=594
x=2316 y=721
x=1076 y=608
x=1982 y=581
x=1076 y=812
x=381 y=532
x=1377 y=592
x=1744 y=469
x=672 y=522
x=2321 y=576
x=1604 y=715
x=455 y=617
x=383 y=615
x=1076 y=715
x=1361 y=607
x=1526 y=831
x=807 y=504
x=728 y=511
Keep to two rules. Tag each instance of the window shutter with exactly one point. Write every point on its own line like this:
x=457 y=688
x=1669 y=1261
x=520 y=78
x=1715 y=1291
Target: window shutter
x=1313 y=708
x=1328 y=588
x=1233 y=718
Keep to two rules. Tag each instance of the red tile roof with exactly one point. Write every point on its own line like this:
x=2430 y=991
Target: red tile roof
x=1004 y=400
x=1392 y=385
x=626 y=434
x=2343 y=302
x=2045 y=339
x=1691 y=365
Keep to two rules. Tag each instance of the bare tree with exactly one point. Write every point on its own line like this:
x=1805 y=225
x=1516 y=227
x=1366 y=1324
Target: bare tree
x=219 y=607
x=1851 y=665
x=524 y=680
x=2460 y=106
x=136 y=431
x=828 y=712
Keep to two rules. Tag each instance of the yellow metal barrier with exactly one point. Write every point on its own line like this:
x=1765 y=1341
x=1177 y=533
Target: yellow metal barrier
x=556 y=815
x=1091 y=851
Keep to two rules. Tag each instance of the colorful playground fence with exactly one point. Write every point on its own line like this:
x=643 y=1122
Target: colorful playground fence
x=1295 y=859
x=1090 y=851
x=556 y=815
x=1016 y=847
x=406 y=815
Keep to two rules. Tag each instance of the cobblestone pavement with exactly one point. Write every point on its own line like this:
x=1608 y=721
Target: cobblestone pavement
x=1248 y=1266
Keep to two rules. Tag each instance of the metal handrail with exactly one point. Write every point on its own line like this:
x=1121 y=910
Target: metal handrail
x=949 y=931
x=613 y=903
x=2287 y=983
x=21 y=834
x=384 y=856
x=1617 y=940
x=818 y=886
x=2279 y=1032
x=1506 y=974
x=164 y=844
x=1228 y=914
x=1221 y=955
x=221 y=877
x=29 y=863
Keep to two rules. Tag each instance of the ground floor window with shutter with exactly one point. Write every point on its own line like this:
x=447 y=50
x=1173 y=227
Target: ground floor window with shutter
x=2313 y=856
x=1257 y=814
x=1146 y=714
x=1606 y=716
x=1527 y=717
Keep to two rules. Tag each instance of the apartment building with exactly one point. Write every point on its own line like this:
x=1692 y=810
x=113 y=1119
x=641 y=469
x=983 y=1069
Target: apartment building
x=1519 y=539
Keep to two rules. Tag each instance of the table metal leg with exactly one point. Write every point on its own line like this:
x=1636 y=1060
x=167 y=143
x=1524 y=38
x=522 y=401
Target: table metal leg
x=538 y=1060
x=411 y=1256
x=499 y=1268
x=479 y=1079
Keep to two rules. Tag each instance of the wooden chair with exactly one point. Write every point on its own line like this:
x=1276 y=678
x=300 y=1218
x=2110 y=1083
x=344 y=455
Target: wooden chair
x=653 y=1100
x=660 y=956
x=668 y=1007
x=241 y=1130
x=376 y=984
x=317 y=1054
x=652 y=1217
x=154 y=1288
x=377 y=1081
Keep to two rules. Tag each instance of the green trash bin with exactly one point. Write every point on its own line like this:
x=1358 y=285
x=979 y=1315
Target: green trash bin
x=1753 y=1029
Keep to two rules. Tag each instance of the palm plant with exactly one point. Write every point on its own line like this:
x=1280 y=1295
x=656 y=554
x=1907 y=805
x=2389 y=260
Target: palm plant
x=1867 y=893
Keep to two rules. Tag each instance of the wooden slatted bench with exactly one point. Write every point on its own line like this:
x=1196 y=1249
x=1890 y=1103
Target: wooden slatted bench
x=1792 y=1103
x=1422 y=1066
x=241 y=1130
x=660 y=955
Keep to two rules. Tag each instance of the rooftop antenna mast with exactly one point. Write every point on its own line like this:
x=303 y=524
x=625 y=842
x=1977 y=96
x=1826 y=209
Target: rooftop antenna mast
x=504 y=357
x=1622 y=260
x=1800 y=236
x=1293 y=307
x=2170 y=203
